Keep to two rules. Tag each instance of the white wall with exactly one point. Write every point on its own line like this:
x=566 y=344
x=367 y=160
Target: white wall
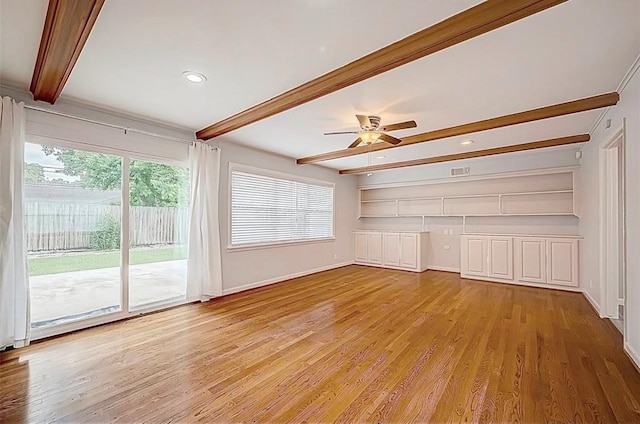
x=102 y=115
x=520 y=161
x=248 y=268
x=627 y=109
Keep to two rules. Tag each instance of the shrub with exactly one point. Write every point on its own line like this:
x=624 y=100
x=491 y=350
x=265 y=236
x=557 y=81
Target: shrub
x=107 y=235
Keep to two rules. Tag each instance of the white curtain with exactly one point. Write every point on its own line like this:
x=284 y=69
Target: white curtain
x=14 y=280
x=204 y=266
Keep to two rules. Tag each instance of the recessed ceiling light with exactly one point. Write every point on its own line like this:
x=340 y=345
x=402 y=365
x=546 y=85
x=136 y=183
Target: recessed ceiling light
x=369 y=174
x=381 y=157
x=467 y=142
x=194 y=77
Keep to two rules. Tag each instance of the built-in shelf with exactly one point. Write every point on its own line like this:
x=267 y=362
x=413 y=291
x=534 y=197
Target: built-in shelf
x=550 y=194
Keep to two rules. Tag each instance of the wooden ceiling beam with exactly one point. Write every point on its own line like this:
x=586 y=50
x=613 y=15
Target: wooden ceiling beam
x=66 y=30
x=582 y=138
x=546 y=112
x=468 y=24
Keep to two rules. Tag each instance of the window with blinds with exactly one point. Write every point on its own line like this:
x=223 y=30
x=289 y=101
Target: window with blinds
x=266 y=209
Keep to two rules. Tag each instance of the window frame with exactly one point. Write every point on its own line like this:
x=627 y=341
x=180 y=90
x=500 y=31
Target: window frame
x=237 y=167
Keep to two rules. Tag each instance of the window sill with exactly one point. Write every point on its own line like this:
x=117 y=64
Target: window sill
x=277 y=244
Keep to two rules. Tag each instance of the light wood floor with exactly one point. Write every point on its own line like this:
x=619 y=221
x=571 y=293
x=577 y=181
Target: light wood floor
x=354 y=344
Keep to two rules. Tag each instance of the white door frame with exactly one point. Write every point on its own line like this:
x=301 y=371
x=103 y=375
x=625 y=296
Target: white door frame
x=612 y=224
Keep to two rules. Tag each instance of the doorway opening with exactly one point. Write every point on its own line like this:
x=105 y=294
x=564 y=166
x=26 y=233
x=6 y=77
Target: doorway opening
x=612 y=229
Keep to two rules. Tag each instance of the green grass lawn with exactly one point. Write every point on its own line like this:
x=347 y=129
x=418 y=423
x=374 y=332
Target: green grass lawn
x=85 y=261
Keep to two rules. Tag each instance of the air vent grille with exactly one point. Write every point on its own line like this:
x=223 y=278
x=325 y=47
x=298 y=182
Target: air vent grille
x=457 y=172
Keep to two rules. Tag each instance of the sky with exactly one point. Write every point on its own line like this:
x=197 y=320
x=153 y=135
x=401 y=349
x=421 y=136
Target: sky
x=33 y=154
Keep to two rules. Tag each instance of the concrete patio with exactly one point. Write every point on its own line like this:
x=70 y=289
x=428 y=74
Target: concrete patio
x=92 y=292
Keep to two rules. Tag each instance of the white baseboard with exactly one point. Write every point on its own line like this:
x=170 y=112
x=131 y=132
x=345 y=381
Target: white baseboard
x=632 y=354
x=397 y=268
x=444 y=268
x=593 y=303
x=521 y=283
x=262 y=283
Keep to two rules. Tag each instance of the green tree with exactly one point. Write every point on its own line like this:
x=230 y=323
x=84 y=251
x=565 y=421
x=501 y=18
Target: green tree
x=151 y=184
x=33 y=173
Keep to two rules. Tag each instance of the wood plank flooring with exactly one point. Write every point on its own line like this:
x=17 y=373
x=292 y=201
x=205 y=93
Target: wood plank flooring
x=354 y=344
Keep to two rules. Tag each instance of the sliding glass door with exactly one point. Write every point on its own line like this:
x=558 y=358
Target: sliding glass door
x=73 y=218
x=158 y=230
x=93 y=255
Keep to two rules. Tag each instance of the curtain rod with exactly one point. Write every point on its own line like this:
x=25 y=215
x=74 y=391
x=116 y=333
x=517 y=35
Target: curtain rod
x=106 y=124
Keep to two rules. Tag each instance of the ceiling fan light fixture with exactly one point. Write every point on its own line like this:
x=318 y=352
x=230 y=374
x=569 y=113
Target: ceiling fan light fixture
x=369 y=137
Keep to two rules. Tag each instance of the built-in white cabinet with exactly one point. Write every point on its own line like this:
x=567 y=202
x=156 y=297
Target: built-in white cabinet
x=474 y=256
x=391 y=253
x=530 y=263
x=368 y=247
x=409 y=251
x=562 y=268
x=389 y=249
x=534 y=260
x=374 y=248
x=500 y=257
x=360 y=244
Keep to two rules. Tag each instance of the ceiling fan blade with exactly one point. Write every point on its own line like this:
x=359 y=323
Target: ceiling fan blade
x=400 y=126
x=389 y=139
x=342 y=132
x=364 y=121
x=355 y=143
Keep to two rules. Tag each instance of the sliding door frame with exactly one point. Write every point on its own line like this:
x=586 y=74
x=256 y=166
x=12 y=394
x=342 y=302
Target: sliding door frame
x=124 y=312
x=126 y=234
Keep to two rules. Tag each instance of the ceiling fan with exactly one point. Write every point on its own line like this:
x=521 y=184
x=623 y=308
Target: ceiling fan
x=371 y=131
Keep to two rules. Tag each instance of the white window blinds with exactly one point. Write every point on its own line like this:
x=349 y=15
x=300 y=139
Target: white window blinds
x=267 y=209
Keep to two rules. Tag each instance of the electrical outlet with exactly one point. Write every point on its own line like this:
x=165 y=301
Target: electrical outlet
x=335 y=256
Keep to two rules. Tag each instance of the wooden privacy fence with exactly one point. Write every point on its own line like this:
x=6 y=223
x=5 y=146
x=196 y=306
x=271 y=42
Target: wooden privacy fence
x=60 y=226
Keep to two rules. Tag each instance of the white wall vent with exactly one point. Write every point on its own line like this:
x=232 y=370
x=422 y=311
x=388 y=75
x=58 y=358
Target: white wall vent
x=457 y=172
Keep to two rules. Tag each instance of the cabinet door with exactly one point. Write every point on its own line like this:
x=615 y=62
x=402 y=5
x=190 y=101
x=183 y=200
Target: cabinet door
x=409 y=251
x=374 y=248
x=501 y=257
x=562 y=266
x=474 y=256
x=530 y=265
x=391 y=249
x=360 y=243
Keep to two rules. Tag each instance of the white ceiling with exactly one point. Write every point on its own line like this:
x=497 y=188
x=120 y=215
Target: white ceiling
x=252 y=50
x=21 y=25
